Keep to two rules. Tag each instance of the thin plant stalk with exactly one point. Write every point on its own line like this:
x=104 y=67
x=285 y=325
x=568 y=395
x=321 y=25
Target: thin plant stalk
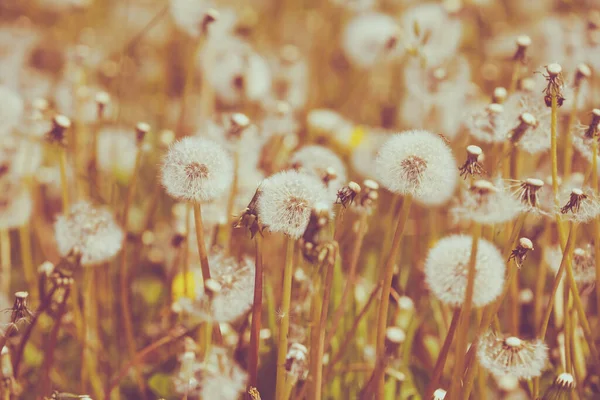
x=284 y=324
x=554 y=146
x=514 y=283
x=231 y=199
x=64 y=179
x=568 y=144
x=256 y=315
x=596 y=225
x=568 y=330
x=125 y=305
x=5 y=261
x=388 y=275
x=465 y=318
x=318 y=377
x=443 y=355
x=353 y=263
x=27 y=258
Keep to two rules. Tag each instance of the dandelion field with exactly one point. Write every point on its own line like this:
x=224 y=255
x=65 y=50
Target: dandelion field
x=312 y=199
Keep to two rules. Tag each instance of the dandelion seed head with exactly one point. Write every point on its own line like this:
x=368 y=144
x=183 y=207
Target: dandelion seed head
x=582 y=206
x=91 y=230
x=11 y=111
x=370 y=38
x=446 y=269
x=510 y=355
x=196 y=169
x=315 y=160
x=487 y=204
x=488 y=124
x=222 y=378
x=418 y=163
x=287 y=199
x=583 y=262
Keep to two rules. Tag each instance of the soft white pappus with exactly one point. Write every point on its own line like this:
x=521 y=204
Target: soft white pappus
x=369 y=38
x=117 y=149
x=188 y=15
x=316 y=160
x=419 y=163
x=437 y=95
x=581 y=205
x=443 y=32
x=287 y=199
x=235 y=71
x=446 y=269
x=91 y=230
x=486 y=204
x=196 y=169
x=222 y=378
x=536 y=138
x=487 y=123
x=11 y=111
x=584 y=145
x=509 y=355
x=16 y=203
x=583 y=262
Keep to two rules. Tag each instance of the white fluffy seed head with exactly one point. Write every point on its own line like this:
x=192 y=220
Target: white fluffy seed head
x=316 y=160
x=583 y=262
x=419 y=163
x=512 y=356
x=486 y=204
x=287 y=199
x=446 y=271
x=369 y=38
x=196 y=169
x=93 y=231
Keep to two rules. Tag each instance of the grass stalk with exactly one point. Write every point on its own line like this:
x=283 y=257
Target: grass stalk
x=284 y=324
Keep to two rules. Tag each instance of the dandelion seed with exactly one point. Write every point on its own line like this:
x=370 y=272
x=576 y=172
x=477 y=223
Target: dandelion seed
x=418 y=163
x=512 y=356
x=286 y=201
x=93 y=231
x=446 y=269
x=196 y=169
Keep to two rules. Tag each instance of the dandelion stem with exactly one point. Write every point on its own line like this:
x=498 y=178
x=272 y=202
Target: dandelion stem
x=568 y=331
x=5 y=261
x=26 y=257
x=318 y=378
x=596 y=224
x=553 y=145
x=388 y=274
x=463 y=326
x=285 y=319
x=64 y=180
x=256 y=315
x=443 y=355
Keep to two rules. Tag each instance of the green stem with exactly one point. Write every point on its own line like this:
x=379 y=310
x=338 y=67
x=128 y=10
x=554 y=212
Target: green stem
x=256 y=315
x=388 y=274
x=284 y=325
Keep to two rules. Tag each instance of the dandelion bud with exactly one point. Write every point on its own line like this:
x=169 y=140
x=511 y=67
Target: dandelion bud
x=91 y=232
x=472 y=166
x=583 y=72
x=512 y=356
x=499 y=95
x=592 y=129
x=526 y=121
x=196 y=169
x=20 y=310
x=286 y=201
x=346 y=195
x=296 y=362
x=523 y=42
x=394 y=337
x=60 y=124
x=141 y=129
x=418 y=163
x=439 y=394
x=446 y=269
x=561 y=388
x=520 y=252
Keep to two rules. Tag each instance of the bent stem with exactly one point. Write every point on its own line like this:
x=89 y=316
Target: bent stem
x=285 y=319
x=256 y=315
x=388 y=275
x=463 y=327
x=443 y=355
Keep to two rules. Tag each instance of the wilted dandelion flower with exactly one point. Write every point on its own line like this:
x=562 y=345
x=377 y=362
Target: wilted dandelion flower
x=16 y=203
x=196 y=169
x=418 y=163
x=369 y=38
x=287 y=199
x=583 y=262
x=117 y=149
x=510 y=355
x=92 y=231
x=581 y=207
x=446 y=270
x=11 y=110
x=486 y=204
x=316 y=160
